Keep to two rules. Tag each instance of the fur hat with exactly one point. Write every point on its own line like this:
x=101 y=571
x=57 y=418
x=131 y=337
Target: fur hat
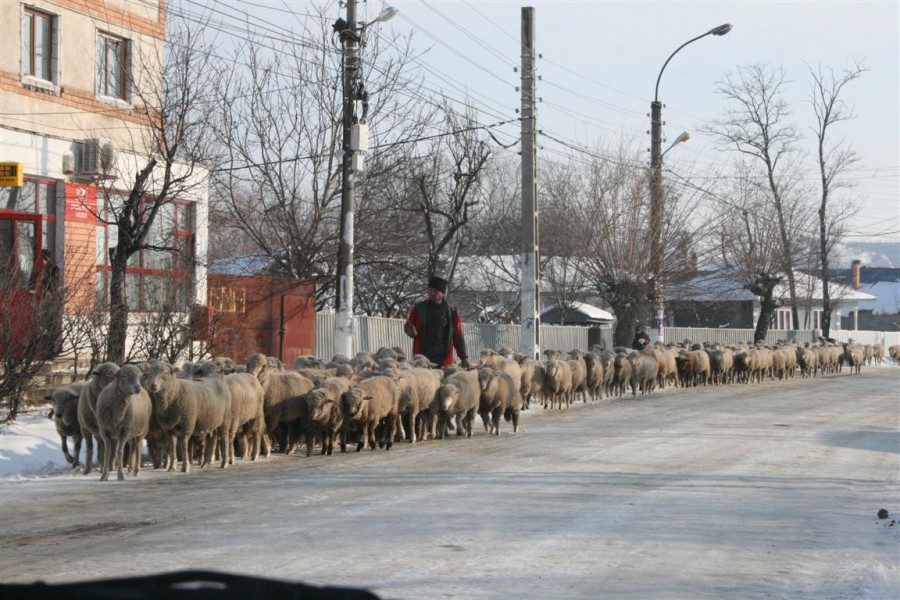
x=438 y=284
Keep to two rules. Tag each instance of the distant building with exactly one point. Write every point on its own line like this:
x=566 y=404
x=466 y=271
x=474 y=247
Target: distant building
x=713 y=299
x=73 y=118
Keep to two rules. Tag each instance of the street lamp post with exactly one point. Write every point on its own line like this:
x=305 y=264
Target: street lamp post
x=355 y=142
x=657 y=204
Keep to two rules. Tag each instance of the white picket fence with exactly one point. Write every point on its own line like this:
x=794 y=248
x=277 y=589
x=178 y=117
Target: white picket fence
x=372 y=333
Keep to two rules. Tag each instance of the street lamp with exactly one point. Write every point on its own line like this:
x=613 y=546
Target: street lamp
x=656 y=192
x=355 y=143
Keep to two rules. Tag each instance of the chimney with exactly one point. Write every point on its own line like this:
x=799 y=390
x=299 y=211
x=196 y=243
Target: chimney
x=856 y=282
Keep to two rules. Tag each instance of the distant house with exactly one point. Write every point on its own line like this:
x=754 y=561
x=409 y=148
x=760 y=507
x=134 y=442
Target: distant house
x=883 y=283
x=579 y=313
x=713 y=299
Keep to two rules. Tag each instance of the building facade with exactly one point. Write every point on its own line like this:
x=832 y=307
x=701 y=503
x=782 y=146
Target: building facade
x=74 y=118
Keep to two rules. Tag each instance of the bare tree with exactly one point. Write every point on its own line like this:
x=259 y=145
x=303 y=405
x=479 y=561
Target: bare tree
x=757 y=127
x=280 y=184
x=30 y=330
x=834 y=160
x=748 y=242
x=610 y=208
x=166 y=163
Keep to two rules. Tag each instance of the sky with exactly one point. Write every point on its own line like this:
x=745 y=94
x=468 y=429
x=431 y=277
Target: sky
x=599 y=62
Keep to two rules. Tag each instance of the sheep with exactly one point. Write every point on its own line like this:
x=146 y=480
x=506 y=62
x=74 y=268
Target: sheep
x=102 y=375
x=459 y=397
x=284 y=401
x=418 y=394
x=621 y=374
x=184 y=408
x=855 y=355
x=65 y=417
x=894 y=353
x=123 y=416
x=808 y=361
x=325 y=414
x=499 y=396
x=594 y=375
x=557 y=382
x=579 y=374
x=368 y=403
x=533 y=376
x=877 y=354
x=644 y=370
x=508 y=365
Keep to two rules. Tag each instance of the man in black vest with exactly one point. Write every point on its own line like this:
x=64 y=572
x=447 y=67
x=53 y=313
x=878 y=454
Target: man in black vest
x=436 y=327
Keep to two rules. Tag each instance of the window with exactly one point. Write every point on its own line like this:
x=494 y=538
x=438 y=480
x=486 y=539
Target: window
x=39 y=47
x=782 y=320
x=817 y=319
x=27 y=226
x=112 y=66
x=159 y=276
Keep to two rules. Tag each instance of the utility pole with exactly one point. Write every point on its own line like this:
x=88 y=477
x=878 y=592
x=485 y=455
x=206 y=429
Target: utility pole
x=343 y=325
x=656 y=219
x=530 y=316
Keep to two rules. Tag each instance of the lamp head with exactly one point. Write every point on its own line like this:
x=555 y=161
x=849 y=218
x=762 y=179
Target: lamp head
x=721 y=29
x=389 y=12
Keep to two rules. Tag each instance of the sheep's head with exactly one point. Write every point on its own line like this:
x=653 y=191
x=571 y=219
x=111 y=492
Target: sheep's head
x=158 y=377
x=207 y=369
x=61 y=398
x=316 y=400
x=484 y=377
x=258 y=366
x=353 y=401
x=128 y=380
x=104 y=373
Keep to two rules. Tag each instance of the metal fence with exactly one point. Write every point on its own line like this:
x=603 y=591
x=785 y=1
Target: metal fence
x=372 y=333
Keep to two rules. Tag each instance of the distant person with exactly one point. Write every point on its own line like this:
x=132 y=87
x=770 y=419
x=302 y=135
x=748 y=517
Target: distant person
x=49 y=273
x=436 y=327
x=641 y=339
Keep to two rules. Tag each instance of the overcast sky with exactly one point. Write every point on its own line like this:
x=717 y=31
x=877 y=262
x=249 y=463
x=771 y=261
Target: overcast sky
x=600 y=61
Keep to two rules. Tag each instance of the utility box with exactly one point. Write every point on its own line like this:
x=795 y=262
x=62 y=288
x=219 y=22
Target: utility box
x=358 y=162
x=359 y=137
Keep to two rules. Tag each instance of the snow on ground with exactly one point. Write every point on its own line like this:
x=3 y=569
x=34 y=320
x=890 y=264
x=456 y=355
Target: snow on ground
x=30 y=448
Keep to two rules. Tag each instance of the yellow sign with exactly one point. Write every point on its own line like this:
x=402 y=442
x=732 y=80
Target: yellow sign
x=11 y=174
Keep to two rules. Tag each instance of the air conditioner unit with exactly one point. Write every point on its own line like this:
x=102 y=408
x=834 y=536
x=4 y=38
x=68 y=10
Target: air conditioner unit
x=98 y=158
x=90 y=164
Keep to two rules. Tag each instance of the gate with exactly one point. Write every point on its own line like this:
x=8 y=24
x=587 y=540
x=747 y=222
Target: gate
x=276 y=317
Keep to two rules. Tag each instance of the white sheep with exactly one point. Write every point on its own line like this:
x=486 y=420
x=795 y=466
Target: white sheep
x=499 y=396
x=101 y=376
x=284 y=404
x=123 y=417
x=184 y=408
x=418 y=394
x=557 y=382
x=65 y=417
x=368 y=403
x=459 y=398
x=326 y=417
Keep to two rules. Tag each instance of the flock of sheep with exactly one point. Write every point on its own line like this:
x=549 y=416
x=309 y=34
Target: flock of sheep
x=216 y=409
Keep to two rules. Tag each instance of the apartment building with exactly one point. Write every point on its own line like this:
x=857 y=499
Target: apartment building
x=73 y=118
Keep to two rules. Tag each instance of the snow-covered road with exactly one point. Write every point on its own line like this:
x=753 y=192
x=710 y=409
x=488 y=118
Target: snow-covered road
x=759 y=491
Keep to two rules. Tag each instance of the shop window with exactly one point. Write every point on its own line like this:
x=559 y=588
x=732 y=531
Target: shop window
x=158 y=276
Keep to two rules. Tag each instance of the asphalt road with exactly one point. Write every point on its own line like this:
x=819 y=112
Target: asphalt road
x=746 y=491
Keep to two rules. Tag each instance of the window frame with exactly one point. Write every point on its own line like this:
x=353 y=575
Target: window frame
x=139 y=277
x=102 y=71
x=33 y=75
x=42 y=214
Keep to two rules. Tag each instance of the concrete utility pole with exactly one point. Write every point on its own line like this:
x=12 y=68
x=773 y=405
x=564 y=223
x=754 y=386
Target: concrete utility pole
x=531 y=278
x=657 y=203
x=343 y=324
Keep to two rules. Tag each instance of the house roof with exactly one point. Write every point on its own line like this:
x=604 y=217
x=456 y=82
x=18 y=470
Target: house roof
x=250 y=264
x=591 y=312
x=723 y=287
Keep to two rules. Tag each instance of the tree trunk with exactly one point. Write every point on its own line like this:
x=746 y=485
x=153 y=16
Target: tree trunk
x=627 y=314
x=767 y=310
x=118 y=311
x=823 y=250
